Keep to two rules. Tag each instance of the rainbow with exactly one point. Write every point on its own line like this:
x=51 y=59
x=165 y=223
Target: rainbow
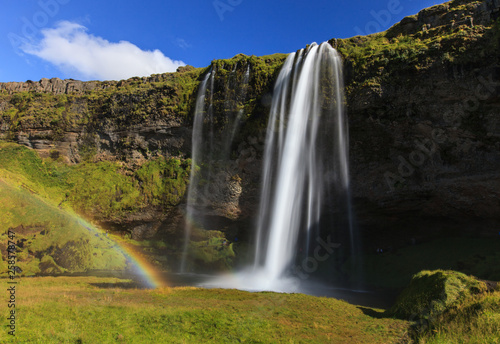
x=149 y=274
x=153 y=278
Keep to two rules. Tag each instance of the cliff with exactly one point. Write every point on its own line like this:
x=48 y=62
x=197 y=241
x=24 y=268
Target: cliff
x=423 y=102
x=423 y=106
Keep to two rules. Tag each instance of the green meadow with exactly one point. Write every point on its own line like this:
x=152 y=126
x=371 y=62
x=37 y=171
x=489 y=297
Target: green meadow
x=111 y=310
x=105 y=310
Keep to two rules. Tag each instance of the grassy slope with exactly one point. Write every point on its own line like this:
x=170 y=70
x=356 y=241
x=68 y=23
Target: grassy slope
x=49 y=239
x=96 y=310
x=101 y=190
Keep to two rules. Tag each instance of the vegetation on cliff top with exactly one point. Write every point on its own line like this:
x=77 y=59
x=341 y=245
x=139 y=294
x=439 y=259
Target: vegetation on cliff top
x=233 y=94
x=166 y=97
x=388 y=56
x=126 y=103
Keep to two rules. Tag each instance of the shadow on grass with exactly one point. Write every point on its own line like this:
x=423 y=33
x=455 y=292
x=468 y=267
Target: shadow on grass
x=374 y=313
x=118 y=285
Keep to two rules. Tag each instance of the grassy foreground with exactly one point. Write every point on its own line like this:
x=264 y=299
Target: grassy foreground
x=104 y=310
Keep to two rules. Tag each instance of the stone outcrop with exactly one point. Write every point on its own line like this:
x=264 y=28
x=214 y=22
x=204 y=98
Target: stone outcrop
x=70 y=86
x=54 y=85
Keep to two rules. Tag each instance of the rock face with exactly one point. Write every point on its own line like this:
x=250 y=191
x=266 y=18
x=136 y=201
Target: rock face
x=70 y=86
x=127 y=120
x=424 y=114
x=54 y=86
x=449 y=15
x=425 y=131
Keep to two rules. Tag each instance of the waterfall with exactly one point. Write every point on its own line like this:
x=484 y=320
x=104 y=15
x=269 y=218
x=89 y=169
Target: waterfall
x=305 y=179
x=305 y=155
x=197 y=141
x=211 y=146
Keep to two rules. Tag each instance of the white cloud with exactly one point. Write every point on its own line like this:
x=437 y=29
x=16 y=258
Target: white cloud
x=71 y=48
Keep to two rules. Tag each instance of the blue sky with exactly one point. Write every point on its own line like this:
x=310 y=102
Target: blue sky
x=117 y=39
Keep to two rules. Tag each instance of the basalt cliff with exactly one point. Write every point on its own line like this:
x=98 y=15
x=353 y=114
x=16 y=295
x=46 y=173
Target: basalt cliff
x=423 y=102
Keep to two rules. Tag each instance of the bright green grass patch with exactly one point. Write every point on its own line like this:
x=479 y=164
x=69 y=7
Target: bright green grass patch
x=24 y=167
x=96 y=310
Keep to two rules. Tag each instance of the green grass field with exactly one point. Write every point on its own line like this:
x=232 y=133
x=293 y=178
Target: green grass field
x=111 y=310
x=104 y=310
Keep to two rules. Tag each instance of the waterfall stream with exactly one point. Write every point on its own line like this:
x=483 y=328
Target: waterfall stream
x=304 y=202
x=197 y=141
x=305 y=155
x=211 y=148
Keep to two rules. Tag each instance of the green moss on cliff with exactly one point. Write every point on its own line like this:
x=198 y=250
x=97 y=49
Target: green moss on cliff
x=210 y=250
x=124 y=103
x=100 y=190
x=26 y=110
x=46 y=178
x=228 y=96
x=103 y=190
x=387 y=57
x=164 y=181
x=136 y=101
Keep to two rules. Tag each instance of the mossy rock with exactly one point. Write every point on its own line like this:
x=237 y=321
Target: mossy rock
x=211 y=251
x=75 y=256
x=430 y=293
x=49 y=266
x=29 y=267
x=3 y=266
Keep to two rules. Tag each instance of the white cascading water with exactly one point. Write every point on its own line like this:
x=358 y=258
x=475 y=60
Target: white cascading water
x=305 y=161
x=197 y=141
x=207 y=151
